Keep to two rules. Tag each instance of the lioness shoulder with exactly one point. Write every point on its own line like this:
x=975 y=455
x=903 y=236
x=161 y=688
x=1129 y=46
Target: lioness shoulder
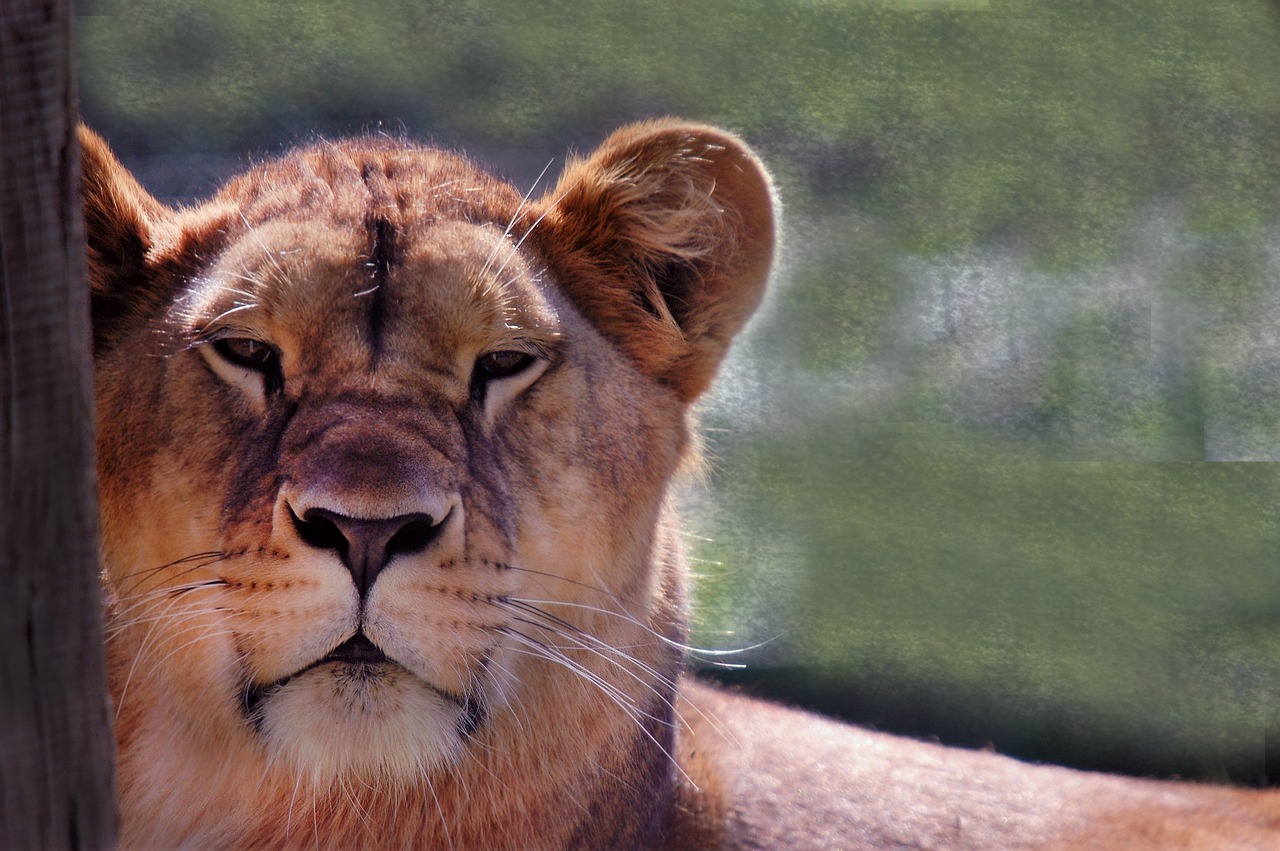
x=386 y=450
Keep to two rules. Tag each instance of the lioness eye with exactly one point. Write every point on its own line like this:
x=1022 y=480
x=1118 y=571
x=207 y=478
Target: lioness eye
x=503 y=364
x=246 y=352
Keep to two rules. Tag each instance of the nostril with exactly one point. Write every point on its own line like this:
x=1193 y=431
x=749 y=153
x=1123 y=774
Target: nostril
x=414 y=536
x=319 y=529
x=365 y=546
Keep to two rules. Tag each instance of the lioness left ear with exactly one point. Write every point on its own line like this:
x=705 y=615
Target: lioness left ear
x=121 y=220
x=138 y=248
x=664 y=238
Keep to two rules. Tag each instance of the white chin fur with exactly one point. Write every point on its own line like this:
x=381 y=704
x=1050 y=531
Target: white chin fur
x=381 y=726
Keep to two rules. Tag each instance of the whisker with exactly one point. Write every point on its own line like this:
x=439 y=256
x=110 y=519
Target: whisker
x=594 y=644
x=623 y=701
x=697 y=652
x=514 y=217
x=211 y=554
x=598 y=647
x=537 y=222
x=586 y=585
x=144 y=651
x=197 y=560
x=117 y=628
x=444 y=820
x=293 y=799
x=233 y=310
x=544 y=651
x=604 y=651
x=266 y=251
x=205 y=636
x=525 y=236
x=136 y=600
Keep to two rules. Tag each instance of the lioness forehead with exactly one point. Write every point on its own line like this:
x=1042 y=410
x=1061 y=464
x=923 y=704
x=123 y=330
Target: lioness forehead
x=376 y=243
x=357 y=183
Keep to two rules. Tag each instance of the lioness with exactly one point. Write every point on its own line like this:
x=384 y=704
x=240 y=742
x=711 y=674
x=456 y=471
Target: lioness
x=385 y=452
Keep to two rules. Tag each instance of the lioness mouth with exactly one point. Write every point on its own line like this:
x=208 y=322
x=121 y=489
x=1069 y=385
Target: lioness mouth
x=357 y=649
x=362 y=655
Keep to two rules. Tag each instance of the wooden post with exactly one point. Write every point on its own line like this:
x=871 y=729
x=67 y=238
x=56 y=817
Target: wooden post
x=56 y=750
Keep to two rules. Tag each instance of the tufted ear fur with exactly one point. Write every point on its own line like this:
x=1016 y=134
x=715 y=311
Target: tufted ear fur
x=663 y=237
x=122 y=225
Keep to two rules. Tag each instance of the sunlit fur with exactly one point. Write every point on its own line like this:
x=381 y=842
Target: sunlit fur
x=533 y=647
x=314 y=342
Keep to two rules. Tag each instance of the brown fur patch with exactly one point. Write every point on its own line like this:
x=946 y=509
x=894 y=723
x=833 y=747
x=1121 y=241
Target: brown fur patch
x=369 y=333
x=665 y=236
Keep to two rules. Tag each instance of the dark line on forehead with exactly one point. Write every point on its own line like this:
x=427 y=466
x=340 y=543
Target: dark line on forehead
x=382 y=254
x=382 y=248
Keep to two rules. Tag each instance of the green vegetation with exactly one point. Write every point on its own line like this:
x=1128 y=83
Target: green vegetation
x=1030 y=291
x=1047 y=124
x=1095 y=605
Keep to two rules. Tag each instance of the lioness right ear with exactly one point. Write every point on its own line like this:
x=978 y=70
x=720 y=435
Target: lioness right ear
x=663 y=238
x=122 y=223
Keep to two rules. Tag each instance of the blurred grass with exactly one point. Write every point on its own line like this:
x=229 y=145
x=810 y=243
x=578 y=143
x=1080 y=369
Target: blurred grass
x=1092 y=607
x=961 y=124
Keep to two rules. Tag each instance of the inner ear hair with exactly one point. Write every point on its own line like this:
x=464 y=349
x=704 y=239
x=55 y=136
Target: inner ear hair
x=120 y=216
x=664 y=237
x=138 y=249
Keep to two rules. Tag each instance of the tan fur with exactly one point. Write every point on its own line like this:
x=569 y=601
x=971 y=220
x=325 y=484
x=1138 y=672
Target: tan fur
x=526 y=585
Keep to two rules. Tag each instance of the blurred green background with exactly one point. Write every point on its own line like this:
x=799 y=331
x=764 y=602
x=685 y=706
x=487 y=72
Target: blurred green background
x=986 y=466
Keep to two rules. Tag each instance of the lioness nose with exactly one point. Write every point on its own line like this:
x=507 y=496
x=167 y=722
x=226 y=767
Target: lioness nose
x=366 y=546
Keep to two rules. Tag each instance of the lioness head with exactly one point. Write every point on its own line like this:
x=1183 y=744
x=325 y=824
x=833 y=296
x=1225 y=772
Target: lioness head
x=384 y=453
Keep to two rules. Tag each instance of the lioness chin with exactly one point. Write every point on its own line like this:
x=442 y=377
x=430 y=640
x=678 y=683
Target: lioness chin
x=385 y=452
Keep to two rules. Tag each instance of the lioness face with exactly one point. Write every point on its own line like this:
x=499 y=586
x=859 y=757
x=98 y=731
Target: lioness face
x=381 y=470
